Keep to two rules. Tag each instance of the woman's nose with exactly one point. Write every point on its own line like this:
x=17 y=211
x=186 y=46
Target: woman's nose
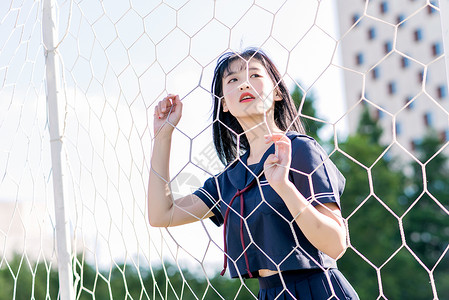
x=244 y=86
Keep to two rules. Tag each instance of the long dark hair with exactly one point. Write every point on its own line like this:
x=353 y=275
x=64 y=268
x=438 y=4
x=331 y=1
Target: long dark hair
x=225 y=126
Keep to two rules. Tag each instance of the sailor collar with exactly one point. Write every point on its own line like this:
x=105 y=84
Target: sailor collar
x=239 y=173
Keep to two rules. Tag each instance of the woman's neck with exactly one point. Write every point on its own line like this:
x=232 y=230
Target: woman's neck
x=255 y=133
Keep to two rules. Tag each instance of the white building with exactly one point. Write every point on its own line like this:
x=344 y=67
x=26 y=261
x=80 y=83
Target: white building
x=394 y=61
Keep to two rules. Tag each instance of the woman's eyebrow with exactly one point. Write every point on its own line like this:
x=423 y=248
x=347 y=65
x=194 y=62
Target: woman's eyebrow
x=255 y=69
x=234 y=72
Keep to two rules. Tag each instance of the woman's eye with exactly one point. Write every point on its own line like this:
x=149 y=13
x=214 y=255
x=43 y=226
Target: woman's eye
x=254 y=75
x=232 y=80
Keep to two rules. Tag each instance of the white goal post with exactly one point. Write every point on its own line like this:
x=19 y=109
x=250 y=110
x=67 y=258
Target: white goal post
x=52 y=66
x=79 y=80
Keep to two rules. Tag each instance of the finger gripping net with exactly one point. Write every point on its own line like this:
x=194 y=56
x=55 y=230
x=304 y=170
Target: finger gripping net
x=369 y=83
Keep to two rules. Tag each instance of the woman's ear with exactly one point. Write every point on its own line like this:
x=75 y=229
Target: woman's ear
x=277 y=95
x=225 y=107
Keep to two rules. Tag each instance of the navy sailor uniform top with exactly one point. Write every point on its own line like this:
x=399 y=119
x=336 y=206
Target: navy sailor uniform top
x=260 y=232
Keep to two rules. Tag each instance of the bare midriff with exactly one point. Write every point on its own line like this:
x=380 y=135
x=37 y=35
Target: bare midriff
x=266 y=272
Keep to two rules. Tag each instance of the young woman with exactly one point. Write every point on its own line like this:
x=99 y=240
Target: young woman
x=278 y=197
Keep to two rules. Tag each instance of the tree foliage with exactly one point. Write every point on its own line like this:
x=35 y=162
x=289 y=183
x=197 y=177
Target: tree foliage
x=308 y=113
x=378 y=199
x=383 y=262
x=21 y=281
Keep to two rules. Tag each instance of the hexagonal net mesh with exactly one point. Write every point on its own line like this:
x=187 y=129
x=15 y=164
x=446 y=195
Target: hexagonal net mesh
x=370 y=83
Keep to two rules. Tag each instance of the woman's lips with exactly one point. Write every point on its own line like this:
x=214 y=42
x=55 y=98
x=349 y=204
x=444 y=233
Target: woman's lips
x=246 y=97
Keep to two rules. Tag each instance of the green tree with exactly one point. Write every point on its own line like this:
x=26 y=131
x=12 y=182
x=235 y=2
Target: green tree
x=369 y=127
x=20 y=279
x=373 y=203
x=308 y=112
x=167 y=281
x=426 y=224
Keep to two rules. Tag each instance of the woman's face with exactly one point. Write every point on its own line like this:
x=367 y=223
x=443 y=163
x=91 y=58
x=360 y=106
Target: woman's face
x=248 y=89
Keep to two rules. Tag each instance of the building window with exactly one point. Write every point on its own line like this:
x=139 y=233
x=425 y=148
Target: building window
x=375 y=73
x=392 y=88
x=398 y=128
x=414 y=143
x=431 y=8
x=410 y=104
x=384 y=7
x=371 y=33
x=437 y=49
x=400 y=20
x=379 y=114
x=388 y=46
x=428 y=119
x=355 y=18
x=442 y=91
x=444 y=135
x=365 y=96
x=405 y=62
x=420 y=77
x=418 y=35
x=359 y=59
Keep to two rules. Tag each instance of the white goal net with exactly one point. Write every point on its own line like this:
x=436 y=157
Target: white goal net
x=78 y=84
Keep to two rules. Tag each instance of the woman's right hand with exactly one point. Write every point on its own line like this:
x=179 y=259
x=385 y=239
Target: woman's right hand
x=167 y=114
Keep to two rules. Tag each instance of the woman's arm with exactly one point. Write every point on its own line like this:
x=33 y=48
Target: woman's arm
x=163 y=211
x=322 y=225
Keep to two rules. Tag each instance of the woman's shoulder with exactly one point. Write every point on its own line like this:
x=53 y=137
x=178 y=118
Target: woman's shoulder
x=300 y=140
x=306 y=149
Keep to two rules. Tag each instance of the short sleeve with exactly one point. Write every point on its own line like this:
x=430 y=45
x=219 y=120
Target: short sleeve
x=314 y=174
x=210 y=196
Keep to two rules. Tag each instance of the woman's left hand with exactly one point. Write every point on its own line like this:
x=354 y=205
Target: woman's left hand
x=277 y=165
